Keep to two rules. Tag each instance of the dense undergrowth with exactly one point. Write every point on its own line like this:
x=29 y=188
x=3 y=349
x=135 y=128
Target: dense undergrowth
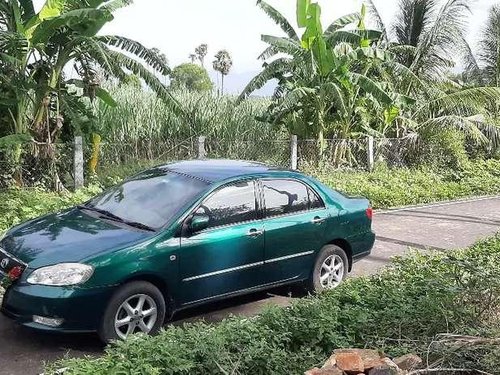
x=404 y=186
x=418 y=305
x=384 y=187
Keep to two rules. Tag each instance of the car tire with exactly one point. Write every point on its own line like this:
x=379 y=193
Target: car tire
x=325 y=274
x=124 y=311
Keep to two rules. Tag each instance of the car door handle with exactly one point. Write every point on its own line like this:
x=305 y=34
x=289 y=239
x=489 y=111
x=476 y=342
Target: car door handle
x=255 y=233
x=318 y=220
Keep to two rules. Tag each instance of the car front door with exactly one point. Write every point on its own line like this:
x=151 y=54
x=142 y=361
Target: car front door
x=294 y=224
x=228 y=255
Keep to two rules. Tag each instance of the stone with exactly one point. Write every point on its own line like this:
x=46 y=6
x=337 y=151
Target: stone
x=389 y=362
x=350 y=362
x=388 y=367
x=408 y=362
x=371 y=358
x=331 y=362
x=331 y=370
x=384 y=370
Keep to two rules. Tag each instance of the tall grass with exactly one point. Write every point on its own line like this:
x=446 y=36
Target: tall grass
x=141 y=115
x=143 y=128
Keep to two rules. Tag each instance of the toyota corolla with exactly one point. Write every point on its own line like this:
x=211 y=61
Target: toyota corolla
x=177 y=236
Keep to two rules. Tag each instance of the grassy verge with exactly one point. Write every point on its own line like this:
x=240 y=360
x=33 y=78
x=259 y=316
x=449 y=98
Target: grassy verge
x=406 y=308
x=384 y=187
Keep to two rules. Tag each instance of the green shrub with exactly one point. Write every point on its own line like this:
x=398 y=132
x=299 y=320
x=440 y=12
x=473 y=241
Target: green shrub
x=404 y=186
x=398 y=311
x=19 y=205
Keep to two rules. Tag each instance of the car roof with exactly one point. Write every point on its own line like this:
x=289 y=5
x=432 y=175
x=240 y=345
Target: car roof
x=215 y=170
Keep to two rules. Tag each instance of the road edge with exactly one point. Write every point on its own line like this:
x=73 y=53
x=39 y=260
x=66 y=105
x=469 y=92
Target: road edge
x=476 y=198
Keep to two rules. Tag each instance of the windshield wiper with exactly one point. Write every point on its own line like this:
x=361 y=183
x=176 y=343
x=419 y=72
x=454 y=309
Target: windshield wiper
x=139 y=225
x=108 y=215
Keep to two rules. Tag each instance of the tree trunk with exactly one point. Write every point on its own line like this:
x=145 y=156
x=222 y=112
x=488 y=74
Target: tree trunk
x=96 y=145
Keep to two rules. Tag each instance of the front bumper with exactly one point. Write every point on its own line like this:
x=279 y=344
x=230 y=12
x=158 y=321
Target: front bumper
x=81 y=309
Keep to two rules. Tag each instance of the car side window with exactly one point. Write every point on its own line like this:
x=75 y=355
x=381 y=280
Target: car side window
x=231 y=204
x=284 y=197
x=314 y=200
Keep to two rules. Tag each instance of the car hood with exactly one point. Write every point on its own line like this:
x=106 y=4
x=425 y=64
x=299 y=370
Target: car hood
x=68 y=236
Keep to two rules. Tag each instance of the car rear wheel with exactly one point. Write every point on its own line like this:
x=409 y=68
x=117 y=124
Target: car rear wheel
x=135 y=307
x=330 y=269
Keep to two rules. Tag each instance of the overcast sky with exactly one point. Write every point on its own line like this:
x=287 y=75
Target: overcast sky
x=177 y=27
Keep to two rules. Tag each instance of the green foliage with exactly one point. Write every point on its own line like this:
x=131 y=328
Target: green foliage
x=192 y=77
x=489 y=47
x=407 y=186
x=328 y=81
x=141 y=115
x=37 y=48
x=14 y=139
x=401 y=310
x=350 y=82
x=19 y=205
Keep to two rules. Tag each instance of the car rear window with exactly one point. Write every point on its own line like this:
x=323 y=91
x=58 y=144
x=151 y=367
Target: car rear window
x=285 y=197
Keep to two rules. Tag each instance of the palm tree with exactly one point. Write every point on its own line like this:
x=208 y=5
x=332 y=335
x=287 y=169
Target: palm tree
x=223 y=64
x=489 y=48
x=426 y=36
x=201 y=52
x=38 y=47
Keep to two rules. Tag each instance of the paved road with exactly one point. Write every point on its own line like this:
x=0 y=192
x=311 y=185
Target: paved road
x=431 y=228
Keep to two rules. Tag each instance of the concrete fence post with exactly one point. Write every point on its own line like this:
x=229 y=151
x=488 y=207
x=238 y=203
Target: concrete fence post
x=371 y=153
x=294 y=152
x=78 y=162
x=202 y=153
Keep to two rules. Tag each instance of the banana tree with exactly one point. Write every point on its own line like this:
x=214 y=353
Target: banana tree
x=324 y=76
x=40 y=47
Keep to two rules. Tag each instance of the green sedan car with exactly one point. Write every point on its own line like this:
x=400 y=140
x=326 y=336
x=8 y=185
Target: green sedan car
x=177 y=236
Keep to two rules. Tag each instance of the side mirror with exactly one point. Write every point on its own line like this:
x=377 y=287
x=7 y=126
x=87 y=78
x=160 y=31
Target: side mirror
x=198 y=223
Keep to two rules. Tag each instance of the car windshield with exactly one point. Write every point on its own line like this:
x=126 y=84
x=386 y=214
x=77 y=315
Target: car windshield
x=149 y=199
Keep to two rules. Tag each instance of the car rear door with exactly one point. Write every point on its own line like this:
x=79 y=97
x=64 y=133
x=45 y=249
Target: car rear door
x=227 y=256
x=294 y=224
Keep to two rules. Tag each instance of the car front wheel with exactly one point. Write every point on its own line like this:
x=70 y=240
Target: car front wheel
x=330 y=269
x=135 y=307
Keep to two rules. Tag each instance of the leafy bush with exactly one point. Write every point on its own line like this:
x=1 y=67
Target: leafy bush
x=19 y=205
x=398 y=311
x=403 y=186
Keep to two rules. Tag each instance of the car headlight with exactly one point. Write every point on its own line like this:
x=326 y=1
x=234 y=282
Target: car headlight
x=63 y=274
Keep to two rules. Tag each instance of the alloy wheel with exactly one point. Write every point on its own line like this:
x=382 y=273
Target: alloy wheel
x=137 y=314
x=332 y=272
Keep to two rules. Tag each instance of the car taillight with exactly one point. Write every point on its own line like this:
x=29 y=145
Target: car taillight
x=369 y=213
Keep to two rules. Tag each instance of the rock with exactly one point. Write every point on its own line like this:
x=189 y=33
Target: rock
x=331 y=362
x=350 y=362
x=371 y=358
x=387 y=367
x=331 y=370
x=383 y=370
x=408 y=362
